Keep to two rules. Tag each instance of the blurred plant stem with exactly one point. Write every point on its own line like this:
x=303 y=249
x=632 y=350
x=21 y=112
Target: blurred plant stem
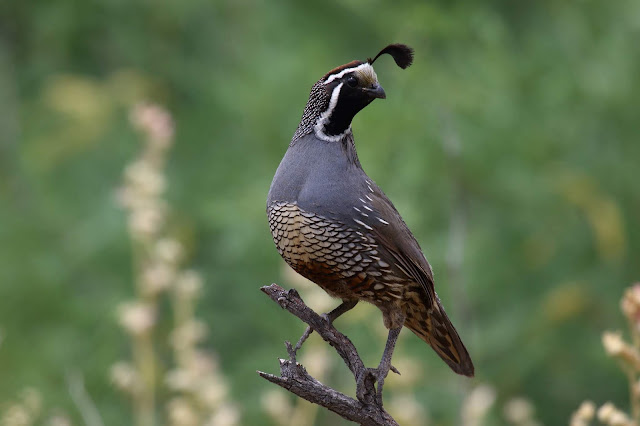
x=142 y=197
x=199 y=392
x=145 y=361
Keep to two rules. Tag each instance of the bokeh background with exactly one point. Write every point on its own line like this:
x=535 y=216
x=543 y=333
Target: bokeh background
x=510 y=147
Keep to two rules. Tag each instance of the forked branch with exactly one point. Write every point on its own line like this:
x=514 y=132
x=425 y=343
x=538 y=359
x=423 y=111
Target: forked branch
x=294 y=377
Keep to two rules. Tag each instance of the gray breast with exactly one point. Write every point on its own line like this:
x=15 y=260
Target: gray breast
x=321 y=178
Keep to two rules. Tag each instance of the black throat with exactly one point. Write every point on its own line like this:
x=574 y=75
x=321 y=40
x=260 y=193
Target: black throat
x=327 y=120
x=338 y=118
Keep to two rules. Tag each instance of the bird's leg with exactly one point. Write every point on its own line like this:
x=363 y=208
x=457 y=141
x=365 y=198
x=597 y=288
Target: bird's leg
x=385 y=362
x=345 y=306
x=380 y=373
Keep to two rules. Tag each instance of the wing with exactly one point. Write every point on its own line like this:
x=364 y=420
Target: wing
x=426 y=316
x=393 y=233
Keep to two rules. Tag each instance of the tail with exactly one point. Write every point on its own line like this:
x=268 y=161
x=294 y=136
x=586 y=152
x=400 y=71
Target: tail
x=434 y=327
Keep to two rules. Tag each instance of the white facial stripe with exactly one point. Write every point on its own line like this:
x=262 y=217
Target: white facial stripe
x=346 y=71
x=324 y=117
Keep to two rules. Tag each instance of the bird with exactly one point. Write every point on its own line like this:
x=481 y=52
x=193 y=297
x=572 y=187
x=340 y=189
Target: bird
x=333 y=225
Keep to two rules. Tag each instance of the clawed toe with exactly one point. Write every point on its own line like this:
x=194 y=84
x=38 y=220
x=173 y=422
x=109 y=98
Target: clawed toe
x=326 y=317
x=365 y=382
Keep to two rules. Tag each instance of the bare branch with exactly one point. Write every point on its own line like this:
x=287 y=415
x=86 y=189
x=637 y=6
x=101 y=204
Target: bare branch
x=294 y=377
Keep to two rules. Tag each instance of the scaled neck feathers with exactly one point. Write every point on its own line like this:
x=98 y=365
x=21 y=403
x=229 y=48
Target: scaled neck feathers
x=317 y=113
x=312 y=118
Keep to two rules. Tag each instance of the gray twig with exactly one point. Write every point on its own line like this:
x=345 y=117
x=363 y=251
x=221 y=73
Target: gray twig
x=294 y=377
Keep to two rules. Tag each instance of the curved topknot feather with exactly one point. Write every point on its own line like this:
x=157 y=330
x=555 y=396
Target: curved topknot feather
x=401 y=53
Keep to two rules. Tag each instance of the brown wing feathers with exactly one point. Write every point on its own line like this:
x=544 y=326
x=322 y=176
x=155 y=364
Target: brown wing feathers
x=426 y=316
x=429 y=321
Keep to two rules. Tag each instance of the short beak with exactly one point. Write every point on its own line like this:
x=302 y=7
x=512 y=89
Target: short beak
x=375 y=91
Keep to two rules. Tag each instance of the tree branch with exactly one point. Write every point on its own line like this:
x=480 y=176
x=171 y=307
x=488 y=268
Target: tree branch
x=294 y=377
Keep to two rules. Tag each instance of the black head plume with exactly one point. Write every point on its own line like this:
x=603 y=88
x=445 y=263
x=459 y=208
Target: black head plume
x=401 y=53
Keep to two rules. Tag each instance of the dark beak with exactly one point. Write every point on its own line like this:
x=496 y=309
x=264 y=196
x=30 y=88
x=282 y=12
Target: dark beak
x=375 y=91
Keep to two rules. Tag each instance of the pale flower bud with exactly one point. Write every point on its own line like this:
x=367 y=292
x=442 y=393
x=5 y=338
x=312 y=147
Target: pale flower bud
x=584 y=414
x=612 y=416
x=518 y=410
x=125 y=377
x=155 y=122
x=16 y=415
x=188 y=284
x=317 y=362
x=407 y=410
x=630 y=305
x=202 y=363
x=212 y=393
x=136 y=317
x=188 y=334
x=146 y=221
x=180 y=380
x=613 y=343
x=168 y=250
x=145 y=178
x=227 y=415
x=618 y=348
x=157 y=278
x=477 y=404
x=181 y=413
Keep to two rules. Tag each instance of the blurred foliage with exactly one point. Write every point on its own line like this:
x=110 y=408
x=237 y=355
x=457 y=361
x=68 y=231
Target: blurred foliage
x=541 y=99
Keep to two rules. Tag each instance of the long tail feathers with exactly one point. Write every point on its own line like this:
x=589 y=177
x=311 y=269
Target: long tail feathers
x=436 y=329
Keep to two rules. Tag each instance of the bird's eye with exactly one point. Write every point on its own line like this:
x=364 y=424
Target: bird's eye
x=352 y=81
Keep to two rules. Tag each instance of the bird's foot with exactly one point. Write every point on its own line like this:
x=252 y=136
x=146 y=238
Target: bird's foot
x=365 y=390
x=327 y=318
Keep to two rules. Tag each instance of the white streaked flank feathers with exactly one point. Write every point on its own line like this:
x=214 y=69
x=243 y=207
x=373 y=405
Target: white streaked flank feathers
x=361 y=223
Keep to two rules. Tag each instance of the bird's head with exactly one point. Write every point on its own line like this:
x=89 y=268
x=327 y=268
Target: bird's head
x=338 y=96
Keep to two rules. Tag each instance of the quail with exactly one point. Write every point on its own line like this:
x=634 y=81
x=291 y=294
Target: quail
x=333 y=225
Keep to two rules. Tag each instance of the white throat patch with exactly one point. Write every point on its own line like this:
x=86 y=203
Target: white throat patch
x=324 y=117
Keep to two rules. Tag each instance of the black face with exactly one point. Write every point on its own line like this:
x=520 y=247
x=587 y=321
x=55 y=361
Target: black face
x=353 y=96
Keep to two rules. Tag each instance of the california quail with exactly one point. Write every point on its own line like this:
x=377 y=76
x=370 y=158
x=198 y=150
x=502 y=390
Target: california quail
x=333 y=225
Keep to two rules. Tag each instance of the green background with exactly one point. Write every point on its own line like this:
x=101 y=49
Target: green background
x=541 y=98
